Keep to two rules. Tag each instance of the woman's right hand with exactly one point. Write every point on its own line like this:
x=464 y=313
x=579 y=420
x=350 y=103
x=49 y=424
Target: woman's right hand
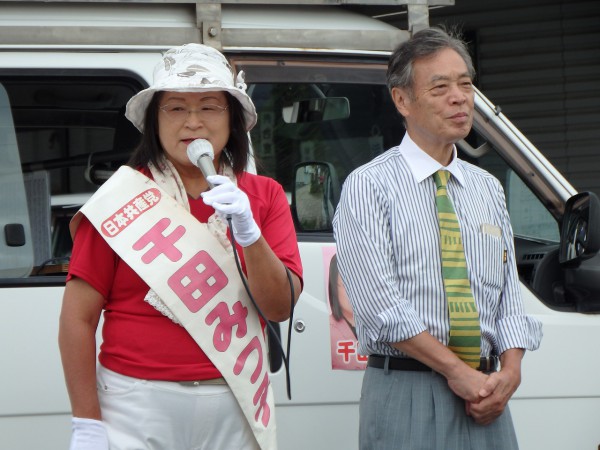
x=228 y=200
x=88 y=434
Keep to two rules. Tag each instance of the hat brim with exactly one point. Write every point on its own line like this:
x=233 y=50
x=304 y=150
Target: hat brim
x=136 y=107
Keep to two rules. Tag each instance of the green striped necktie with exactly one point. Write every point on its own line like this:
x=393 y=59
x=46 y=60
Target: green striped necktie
x=465 y=334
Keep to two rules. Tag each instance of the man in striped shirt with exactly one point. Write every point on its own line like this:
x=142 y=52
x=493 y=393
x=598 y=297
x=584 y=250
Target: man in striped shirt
x=416 y=392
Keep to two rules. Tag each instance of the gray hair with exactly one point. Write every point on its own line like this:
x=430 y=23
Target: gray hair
x=423 y=44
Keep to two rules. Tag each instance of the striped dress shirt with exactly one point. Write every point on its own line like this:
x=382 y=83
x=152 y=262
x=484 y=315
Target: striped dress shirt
x=388 y=247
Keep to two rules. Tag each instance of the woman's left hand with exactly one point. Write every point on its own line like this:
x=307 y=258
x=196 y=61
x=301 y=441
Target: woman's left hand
x=228 y=200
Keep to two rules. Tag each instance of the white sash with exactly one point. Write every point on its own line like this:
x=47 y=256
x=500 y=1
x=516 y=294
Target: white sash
x=196 y=278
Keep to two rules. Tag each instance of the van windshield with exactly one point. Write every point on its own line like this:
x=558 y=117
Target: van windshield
x=356 y=132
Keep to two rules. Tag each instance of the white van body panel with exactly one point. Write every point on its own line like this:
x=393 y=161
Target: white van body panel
x=35 y=410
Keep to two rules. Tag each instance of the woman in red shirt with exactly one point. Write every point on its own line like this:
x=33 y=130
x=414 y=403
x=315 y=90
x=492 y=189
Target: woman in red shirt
x=144 y=349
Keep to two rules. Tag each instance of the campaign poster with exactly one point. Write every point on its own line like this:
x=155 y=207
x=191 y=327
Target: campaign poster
x=344 y=344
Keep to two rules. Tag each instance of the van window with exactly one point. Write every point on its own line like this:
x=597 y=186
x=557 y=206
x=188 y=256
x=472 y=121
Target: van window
x=70 y=132
x=528 y=215
x=16 y=249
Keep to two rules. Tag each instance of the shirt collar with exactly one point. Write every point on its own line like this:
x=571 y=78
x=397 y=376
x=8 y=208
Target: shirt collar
x=422 y=166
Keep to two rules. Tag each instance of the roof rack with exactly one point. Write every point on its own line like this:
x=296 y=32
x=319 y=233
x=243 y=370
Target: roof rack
x=221 y=24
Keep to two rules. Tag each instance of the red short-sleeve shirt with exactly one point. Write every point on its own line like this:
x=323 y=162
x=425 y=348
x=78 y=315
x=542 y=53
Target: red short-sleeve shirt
x=139 y=341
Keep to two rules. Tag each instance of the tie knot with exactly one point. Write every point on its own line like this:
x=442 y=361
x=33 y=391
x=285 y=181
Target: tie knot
x=441 y=178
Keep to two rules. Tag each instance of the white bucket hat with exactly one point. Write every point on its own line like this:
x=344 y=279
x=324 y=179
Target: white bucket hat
x=192 y=68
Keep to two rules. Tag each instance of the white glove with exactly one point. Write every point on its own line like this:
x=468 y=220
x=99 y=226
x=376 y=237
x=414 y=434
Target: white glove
x=88 y=434
x=228 y=200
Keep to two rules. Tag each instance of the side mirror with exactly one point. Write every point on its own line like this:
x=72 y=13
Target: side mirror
x=316 y=110
x=316 y=194
x=580 y=229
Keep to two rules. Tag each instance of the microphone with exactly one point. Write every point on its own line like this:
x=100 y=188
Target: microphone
x=201 y=154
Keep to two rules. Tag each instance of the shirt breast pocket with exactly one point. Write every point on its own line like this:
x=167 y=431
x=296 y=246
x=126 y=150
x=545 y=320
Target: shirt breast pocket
x=489 y=260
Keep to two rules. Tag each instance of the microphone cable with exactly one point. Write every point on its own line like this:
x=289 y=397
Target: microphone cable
x=268 y=324
x=198 y=151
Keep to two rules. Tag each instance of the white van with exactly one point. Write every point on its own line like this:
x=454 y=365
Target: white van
x=317 y=77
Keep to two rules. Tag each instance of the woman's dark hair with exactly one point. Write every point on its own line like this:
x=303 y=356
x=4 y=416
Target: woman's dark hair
x=336 y=309
x=237 y=148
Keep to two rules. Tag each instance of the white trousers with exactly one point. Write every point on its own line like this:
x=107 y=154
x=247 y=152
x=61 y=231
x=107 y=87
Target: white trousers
x=166 y=415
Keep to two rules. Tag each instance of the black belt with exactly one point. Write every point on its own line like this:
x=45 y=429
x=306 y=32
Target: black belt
x=487 y=364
